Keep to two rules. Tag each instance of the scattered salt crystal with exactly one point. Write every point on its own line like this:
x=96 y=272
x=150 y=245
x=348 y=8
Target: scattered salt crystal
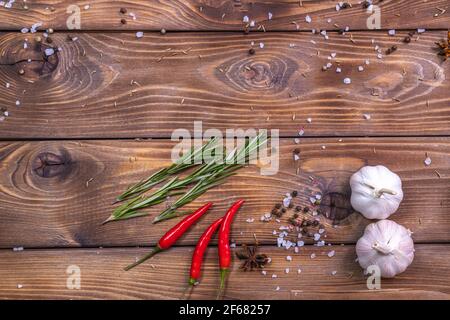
x=17 y=103
x=321 y=243
x=366 y=116
x=233 y=245
x=302 y=130
x=289 y=258
x=316 y=237
x=270 y=15
x=296 y=140
x=139 y=34
x=321 y=231
x=333 y=272
x=286 y=270
x=252 y=23
x=250 y=220
x=329 y=65
x=309 y=120
x=427 y=161
x=24 y=30
x=296 y=157
x=246 y=19
x=15 y=249
x=132 y=15
x=338 y=70
x=274 y=232
x=360 y=68
x=7 y=85
x=277 y=288
x=338 y=7
x=274 y=276
x=86 y=7
x=421 y=30
x=49 y=52
x=300 y=243
x=367 y=62
x=308 y=19
x=261 y=45
x=19 y=286
x=391 y=32
x=333 y=54
x=296 y=250
x=379 y=56
x=331 y=253
x=264 y=272
x=347 y=80
x=299 y=270
x=313 y=255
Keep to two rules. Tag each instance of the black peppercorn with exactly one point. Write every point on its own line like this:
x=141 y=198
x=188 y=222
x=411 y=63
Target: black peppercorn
x=298 y=208
x=294 y=194
x=123 y=10
x=251 y=51
x=123 y=21
x=283 y=210
x=278 y=206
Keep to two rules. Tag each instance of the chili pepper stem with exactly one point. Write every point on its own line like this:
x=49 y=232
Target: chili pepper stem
x=223 y=278
x=144 y=258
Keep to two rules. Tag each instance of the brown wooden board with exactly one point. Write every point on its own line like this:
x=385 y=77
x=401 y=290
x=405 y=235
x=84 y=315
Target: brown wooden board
x=223 y=14
x=110 y=85
x=43 y=274
x=57 y=193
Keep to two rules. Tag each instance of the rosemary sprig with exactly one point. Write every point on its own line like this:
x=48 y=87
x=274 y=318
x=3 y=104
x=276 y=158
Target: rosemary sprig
x=185 y=162
x=207 y=176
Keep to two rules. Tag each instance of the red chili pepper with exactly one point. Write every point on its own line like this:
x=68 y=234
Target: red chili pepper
x=199 y=252
x=173 y=234
x=224 y=242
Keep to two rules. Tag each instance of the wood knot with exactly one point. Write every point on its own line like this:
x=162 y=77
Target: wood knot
x=48 y=165
x=336 y=206
x=262 y=73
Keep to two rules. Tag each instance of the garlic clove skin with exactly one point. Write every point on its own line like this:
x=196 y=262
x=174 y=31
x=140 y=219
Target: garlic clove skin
x=387 y=245
x=376 y=192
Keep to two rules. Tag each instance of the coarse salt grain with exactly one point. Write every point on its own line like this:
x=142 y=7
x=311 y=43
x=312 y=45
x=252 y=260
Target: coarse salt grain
x=391 y=32
x=19 y=286
x=261 y=45
x=338 y=70
x=427 y=161
x=15 y=249
x=274 y=276
x=331 y=253
x=245 y=19
x=270 y=15
x=299 y=270
x=360 y=68
x=277 y=288
x=313 y=255
x=139 y=34
x=49 y=52
x=347 y=80
x=366 y=116
x=286 y=270
x=289 y=258
x=17 y=103
x=264 y=272
x=333 y=272
x=308 y=19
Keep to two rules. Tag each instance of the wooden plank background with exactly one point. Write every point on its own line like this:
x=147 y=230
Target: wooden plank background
x=60 y=209
x=43 y=274
x=70 y=147
x=111 y=85
x=225 y=14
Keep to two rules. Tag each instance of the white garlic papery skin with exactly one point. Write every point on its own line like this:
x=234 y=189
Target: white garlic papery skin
x=387 y=245
x=376 y=192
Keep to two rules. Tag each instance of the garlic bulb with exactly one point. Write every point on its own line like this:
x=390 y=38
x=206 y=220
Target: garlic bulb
x=376 y=192
x=387 y=245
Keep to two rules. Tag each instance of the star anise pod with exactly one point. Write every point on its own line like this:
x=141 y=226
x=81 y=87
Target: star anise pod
x=252 y=259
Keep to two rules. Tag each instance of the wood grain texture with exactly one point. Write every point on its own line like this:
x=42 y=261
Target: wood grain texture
x=113 y=85
x=224 y=14
x=57 y=193
x=42 y=274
